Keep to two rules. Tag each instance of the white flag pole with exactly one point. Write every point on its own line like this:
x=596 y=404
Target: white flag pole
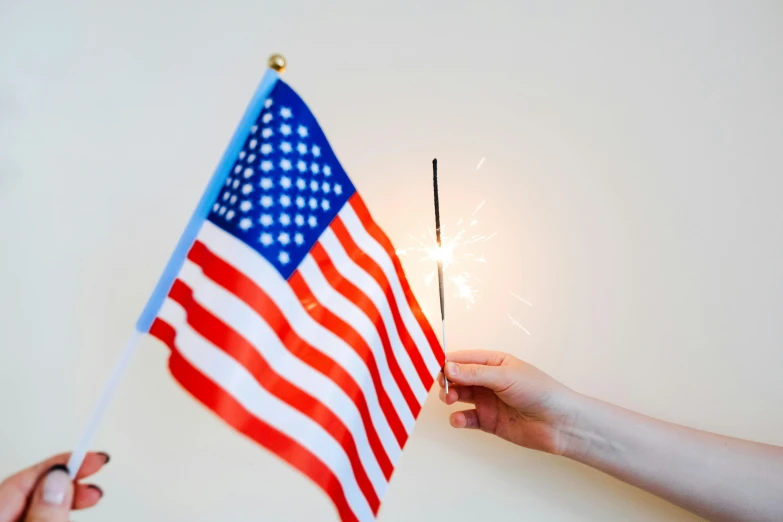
x=276 y=66
x=77 y=457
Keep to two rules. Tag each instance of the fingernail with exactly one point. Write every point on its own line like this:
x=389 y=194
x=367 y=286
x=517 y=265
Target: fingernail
x=56 y=485
x=453 y=368
x=105 y=456
x=96 y=488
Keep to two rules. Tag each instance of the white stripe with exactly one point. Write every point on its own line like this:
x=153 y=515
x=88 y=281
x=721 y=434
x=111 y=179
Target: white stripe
x=356 y=318
x=263 y=274
x=237 y=382
x=375 y=251
x=443 y=343
x=247 y=323
x=361 y=279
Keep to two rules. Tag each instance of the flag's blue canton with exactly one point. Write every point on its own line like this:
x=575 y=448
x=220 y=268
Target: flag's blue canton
x=285 y=187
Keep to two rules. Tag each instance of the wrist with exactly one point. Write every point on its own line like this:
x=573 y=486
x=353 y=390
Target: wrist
x=575 y=429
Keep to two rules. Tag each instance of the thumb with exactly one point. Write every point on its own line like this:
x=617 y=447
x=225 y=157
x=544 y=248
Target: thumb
x=493 y=377
x=52 y=499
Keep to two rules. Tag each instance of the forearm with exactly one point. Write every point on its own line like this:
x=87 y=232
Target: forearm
x=720 y=478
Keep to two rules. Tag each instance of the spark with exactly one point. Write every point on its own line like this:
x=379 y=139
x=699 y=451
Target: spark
x=517 y=324
x=466 y=290
x=523 y=300
x=480 y=163
x=455 y=253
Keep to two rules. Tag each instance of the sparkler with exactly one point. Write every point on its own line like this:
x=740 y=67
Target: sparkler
x=452 y=255
x=440 y=260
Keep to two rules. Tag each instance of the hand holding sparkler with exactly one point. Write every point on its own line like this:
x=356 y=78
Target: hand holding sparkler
x=717 y=477
x=511 y=399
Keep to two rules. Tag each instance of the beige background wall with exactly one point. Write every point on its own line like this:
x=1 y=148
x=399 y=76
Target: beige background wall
x=632 y=172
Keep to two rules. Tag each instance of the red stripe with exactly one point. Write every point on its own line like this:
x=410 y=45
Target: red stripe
x=371 y=267
x=365 y=304
x=375 y=231
x=225 y=338
x=227 y=408
x=163 y=331
x=254 y=296
x=344 y=331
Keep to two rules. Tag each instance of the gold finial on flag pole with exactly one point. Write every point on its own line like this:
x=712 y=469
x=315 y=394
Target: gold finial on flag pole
x=277 y=62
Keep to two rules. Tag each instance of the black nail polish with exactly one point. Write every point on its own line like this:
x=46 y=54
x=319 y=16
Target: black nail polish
x=96 y=488
x=59 y=467
x=105 y=456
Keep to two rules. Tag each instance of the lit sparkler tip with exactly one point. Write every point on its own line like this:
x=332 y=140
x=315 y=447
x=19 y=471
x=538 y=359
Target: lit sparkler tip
x=452 y=250
x=480 y=163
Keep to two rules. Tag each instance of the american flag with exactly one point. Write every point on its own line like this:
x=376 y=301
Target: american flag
x=290 y=316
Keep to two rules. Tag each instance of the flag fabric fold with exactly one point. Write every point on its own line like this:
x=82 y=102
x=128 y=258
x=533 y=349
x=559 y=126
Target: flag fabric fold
x=288 y=313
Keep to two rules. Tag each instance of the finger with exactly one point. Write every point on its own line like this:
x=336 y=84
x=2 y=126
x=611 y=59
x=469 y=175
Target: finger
x=15 y=490
x=53 y=496
x=467 y=419
x=441 y=380
x=86 y=496
x=93 y=462
x=447 y=398
x=457 y=394
x=464 y=394
x=486 y=357
x=495 y=378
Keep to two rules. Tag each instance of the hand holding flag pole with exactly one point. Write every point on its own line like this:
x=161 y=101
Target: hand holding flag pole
x=440 y=260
